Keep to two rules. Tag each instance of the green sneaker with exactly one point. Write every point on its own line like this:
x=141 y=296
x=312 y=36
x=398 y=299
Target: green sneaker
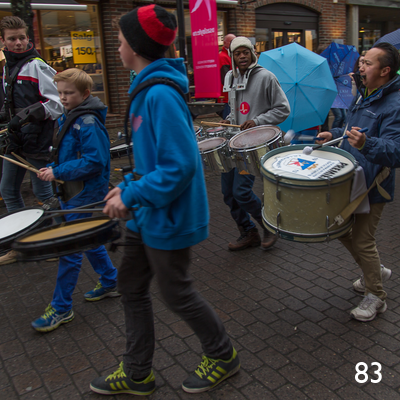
x=118 y=382
x=210 y=373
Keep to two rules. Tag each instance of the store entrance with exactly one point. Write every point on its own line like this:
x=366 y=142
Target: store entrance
x=282 y=38
x=281 y=24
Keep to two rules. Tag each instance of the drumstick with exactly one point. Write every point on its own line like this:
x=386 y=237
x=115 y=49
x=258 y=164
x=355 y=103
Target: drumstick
x=3 y=130
x=26 y=167
x=22 y=160
x=218 y=124
x=75 y=211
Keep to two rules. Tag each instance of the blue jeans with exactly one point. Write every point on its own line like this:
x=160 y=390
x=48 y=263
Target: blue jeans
x=139 y=265
x=70 y=266
x=240 y=198
x=11 y=181
x=340 y=117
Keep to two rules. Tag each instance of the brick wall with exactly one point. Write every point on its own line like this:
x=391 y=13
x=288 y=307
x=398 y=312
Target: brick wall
x=117 y=75
x=332 y=22
x=241 y=21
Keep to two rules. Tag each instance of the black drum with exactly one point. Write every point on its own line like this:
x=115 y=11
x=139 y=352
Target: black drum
x=67 y=238
x=18 y=223
x=120 y=149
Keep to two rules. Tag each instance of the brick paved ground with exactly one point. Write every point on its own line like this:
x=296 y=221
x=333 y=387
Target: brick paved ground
x=286 y=310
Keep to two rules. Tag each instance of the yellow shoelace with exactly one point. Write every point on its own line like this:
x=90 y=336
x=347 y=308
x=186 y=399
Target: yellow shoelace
x=205 y=365
x=119 y=373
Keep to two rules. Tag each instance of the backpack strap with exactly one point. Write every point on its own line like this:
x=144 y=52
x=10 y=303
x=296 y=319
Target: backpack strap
x=59 y=135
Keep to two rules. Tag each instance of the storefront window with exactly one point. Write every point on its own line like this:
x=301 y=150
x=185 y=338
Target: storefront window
x=72 y=39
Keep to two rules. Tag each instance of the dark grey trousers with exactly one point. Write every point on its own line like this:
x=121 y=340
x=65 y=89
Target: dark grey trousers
x=139 y=264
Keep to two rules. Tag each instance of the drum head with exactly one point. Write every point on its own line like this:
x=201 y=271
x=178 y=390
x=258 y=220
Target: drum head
x=17 y=223
x=119 y=147
x=291 y=165
x=119 y=144
x=254 y=137
x=67 y=238
x=211 y=144
x=216 y=131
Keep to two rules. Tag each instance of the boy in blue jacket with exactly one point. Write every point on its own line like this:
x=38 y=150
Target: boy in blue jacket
x=82 y=156
x=170 y=214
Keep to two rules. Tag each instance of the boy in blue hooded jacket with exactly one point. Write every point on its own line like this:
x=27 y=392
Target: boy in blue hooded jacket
x=83 y=157
x=170 y=214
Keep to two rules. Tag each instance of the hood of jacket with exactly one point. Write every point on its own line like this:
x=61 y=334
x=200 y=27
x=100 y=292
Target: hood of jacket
x=13 y=58
x=92 y=104
x=171 y=68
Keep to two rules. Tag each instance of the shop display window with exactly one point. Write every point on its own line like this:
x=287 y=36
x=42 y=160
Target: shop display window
x=71 y=39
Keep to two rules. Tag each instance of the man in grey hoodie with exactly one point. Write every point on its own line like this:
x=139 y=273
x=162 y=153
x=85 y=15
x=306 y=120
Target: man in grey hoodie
x=257 y=100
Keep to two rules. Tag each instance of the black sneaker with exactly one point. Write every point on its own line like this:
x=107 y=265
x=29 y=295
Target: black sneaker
x=118 y=382
x=210 y=373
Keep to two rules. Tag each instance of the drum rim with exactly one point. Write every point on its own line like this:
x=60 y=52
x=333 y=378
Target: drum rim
x=270 y=176
x=7 y=241
x=277 y=136
x=61 y=246
x=342 y=228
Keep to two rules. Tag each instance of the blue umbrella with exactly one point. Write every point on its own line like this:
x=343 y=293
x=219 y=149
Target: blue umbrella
x=341 y=59
x=392 y=38
x=307 y=82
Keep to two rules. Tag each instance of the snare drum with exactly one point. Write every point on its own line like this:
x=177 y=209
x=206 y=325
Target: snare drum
x=17 y=223
x=120 y=149
x=215 y=155
x=219 y=131
x=66 y=238
x=250 y=145
x=302 y=209
x=199 y=132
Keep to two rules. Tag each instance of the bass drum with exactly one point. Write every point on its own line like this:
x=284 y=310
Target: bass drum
x=67 y=238
x=300 y=207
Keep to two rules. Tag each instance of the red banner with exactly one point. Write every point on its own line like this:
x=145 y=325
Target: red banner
x=203 y=18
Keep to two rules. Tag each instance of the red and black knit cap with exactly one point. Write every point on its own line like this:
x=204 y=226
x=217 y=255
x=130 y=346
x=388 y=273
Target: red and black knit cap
x=149 y=30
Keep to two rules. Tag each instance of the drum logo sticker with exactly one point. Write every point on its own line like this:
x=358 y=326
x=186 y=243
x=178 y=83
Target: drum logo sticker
x=244 y=108
x=305 y=165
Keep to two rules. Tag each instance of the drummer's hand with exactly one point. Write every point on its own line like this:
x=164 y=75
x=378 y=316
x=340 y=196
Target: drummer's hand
x=356 y=138
x=225 y=121
x=324 y=137
x=247 y=125
x=115 y=208
x=46 y=174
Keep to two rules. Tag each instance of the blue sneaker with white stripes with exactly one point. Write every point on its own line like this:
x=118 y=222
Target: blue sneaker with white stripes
x=52 y=319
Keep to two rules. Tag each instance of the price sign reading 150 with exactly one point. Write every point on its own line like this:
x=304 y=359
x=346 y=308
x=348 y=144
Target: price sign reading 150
x=83 y=47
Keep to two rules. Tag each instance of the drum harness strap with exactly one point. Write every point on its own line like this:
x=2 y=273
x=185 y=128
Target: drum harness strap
x=350 y=208
x=70 y=188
